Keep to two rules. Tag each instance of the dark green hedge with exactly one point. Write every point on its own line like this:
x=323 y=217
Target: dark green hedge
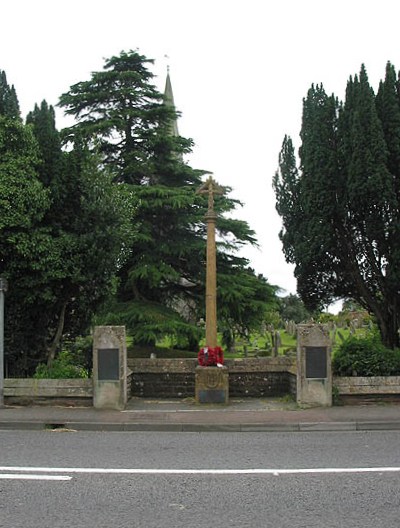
x=365 y=357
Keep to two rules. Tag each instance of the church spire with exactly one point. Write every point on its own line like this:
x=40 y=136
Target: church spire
x=169 y=101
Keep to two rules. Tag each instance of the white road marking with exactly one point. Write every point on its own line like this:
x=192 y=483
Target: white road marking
x=19 y=476
x=150 y=471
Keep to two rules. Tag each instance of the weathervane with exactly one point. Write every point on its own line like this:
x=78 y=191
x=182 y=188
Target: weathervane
x=167 y=57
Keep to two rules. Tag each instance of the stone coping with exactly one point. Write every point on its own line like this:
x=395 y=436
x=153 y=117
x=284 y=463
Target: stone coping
x=367 y=385
x=188 y=365
x=52 y=388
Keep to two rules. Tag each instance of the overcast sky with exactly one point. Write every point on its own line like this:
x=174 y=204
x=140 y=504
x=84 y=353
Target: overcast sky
x=239 y=72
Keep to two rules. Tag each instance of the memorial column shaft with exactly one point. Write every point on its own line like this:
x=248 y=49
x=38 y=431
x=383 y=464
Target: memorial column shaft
x=211 y=283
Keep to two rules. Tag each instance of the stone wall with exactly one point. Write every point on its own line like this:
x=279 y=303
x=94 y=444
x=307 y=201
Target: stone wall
x=367 y=389
x=175 y=378
x=51 y=391
x=162 y=378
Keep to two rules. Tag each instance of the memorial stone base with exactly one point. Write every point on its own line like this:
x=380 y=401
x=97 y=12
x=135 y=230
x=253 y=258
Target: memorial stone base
x=212 y=385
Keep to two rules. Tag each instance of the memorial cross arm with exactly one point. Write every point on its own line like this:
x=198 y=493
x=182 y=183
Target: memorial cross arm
x=210 y=187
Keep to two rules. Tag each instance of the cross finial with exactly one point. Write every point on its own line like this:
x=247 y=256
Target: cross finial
x=210 y=187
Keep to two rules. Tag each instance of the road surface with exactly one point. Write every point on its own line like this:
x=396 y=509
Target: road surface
x=62 y=478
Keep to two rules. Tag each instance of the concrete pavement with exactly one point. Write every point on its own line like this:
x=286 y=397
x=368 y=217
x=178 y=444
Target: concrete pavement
x=241 y=415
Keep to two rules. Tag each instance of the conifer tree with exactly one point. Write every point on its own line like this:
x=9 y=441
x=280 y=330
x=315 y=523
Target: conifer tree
x=120 y=113
x=342 y=215
x=9 y=106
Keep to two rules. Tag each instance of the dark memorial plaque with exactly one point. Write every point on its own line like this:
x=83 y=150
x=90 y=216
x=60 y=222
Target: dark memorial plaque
x=212 y=396
x=316 y=362
x=108 y=364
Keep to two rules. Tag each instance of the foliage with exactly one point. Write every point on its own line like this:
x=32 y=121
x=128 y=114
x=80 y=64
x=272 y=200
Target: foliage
x=244 y=302
x=121 y=112
x=23 y=199
x=354 y=315
x=291 y=308
x=341 y=207
x=121 y=115
x=365 y=356
x=23 y=242
x=336 y=401
x=80 y=351
x=9 y=106
x=63 y=234
x=148 y=322
x=63 y=367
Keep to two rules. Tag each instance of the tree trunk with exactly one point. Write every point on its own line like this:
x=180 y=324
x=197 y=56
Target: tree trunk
x=388 y=324
x=51 y=351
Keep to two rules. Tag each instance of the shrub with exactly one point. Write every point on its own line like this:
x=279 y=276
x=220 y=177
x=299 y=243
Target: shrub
x=80 y=351
x=365 y=357
x=62 y=368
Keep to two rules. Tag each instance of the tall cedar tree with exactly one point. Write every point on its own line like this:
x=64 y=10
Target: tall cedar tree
x=123 y=116
x=341 y=209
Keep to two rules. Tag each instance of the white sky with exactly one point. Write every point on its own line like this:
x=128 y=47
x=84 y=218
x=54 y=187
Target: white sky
x=239 y=71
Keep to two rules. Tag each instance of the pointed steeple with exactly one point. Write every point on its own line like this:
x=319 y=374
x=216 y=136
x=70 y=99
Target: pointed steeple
x=169 y=101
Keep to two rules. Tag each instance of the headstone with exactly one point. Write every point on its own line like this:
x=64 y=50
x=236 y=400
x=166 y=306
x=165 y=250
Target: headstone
x=276 y=339
x=314 y=374
x=109 y=367
x=212 y=385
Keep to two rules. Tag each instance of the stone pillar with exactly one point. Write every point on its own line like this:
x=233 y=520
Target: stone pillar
x=109 y=367
x=211 y=283
x=210 y=187
x=211 y=383
x=314 y=373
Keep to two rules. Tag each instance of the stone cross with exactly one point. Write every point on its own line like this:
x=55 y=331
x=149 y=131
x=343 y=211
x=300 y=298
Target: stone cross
x=211 y=188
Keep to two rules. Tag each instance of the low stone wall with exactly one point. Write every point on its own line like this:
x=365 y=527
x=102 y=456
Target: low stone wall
x=50 y=391
x=367 y=389
x=175 y=378
x=162 y=378
x=261 y=377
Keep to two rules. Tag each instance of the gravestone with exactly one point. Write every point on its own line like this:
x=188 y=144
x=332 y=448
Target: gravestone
x=109 y=367
x=314 y=374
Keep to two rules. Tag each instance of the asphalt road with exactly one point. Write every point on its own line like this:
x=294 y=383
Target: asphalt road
x=66 y=479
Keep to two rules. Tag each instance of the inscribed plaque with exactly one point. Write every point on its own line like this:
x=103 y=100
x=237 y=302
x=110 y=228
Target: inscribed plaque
x=316 y=360
x=108 y=364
